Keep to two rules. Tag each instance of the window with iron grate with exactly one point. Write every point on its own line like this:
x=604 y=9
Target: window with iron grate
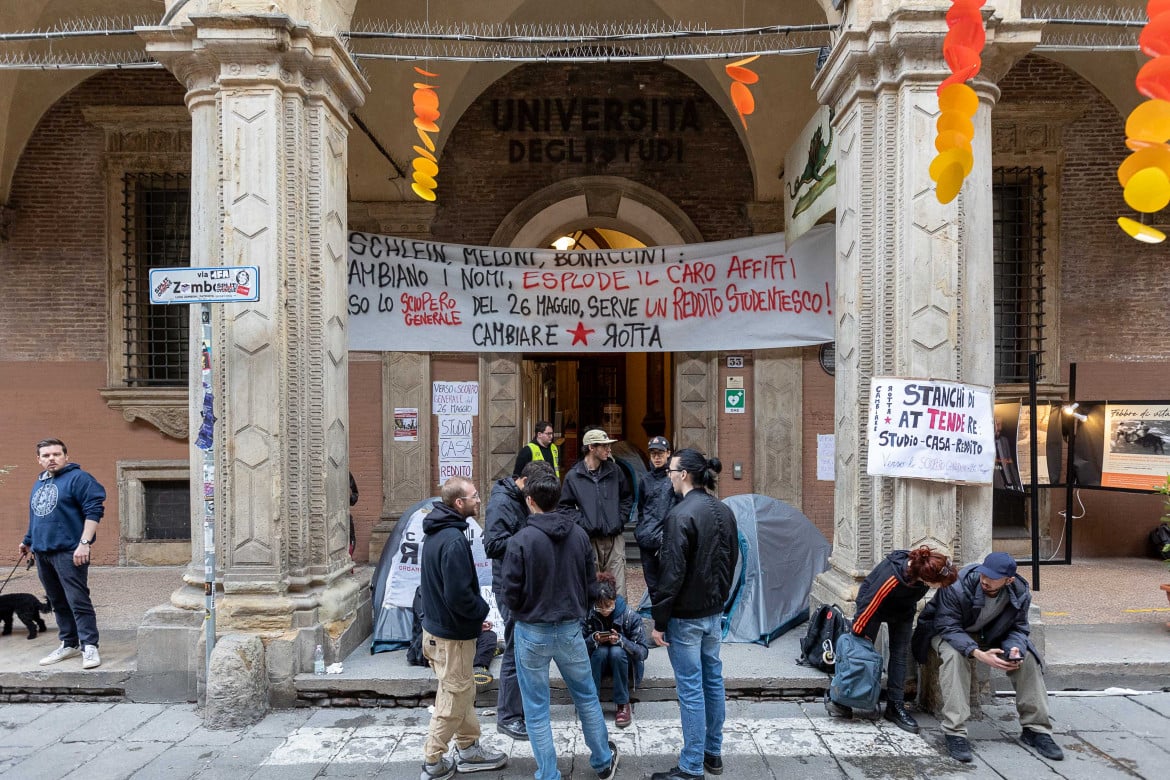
x=167 y=510
x=1018 y=247
x=156 y=225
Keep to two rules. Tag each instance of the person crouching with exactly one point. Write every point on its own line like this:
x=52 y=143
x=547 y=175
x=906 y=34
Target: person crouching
x=616 y=641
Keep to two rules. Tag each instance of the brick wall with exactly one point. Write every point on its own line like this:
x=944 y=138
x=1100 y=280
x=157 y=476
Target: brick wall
x=818 y=419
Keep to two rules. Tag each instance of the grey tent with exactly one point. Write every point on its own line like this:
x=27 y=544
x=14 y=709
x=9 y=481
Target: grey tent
x=398 y=573
x=781 y=551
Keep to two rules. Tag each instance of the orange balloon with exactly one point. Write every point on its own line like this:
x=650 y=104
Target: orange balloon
x=1156 y=8
x=421 y=152
x=951 y=139
x=960 y=57
x=954 y=121
x=430 y=127
x=426 y=73
x=422 y=192
x=1150 y=121
x=1153 y=80
x=742 y=98
x=742 y=75
x=426 y=98
x=1148 y=190
x=959 y=98
x=1155 y=38
x=959 y=76
x=420 y=85
x=427 y=114
x=950 y=181
x=1141 y=232
x=967 y=31
x=426 y=139
x=1150 y=157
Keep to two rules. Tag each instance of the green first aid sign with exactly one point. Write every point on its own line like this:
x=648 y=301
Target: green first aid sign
x=734 y=401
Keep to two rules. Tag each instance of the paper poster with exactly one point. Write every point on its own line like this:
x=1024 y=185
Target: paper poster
x=455 y=398
x=826 y=457
x=931 y=429
x=1135 y=445
x=455 y=432
x=405 y=424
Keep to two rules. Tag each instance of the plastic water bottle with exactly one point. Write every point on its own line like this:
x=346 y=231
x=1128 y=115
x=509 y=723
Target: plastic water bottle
x=319 y=660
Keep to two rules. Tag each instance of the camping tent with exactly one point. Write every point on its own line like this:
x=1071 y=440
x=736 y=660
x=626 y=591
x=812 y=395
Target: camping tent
x=398 y=575
x=781 y=551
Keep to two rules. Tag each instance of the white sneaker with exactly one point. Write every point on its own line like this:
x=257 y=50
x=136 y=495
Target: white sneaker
x=60 y=654
x=90 y=658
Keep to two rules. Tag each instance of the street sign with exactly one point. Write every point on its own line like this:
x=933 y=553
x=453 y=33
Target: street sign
x=734 y=401
x=203 y=284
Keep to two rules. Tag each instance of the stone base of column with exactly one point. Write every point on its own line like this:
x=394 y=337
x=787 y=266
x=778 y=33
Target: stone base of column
x=835 y=587
x=167 y=659
x=930 y=695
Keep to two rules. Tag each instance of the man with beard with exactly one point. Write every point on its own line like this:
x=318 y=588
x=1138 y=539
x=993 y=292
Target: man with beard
x=983 y=617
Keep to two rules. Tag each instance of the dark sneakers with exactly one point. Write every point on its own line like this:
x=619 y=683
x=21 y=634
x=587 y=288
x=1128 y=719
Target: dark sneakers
x=837 y=710
x=675 y=774
x=611 y=771
x=959 y=748
x=896 y=714
x=713 y=764
x=515 y=729
x=1043 y=744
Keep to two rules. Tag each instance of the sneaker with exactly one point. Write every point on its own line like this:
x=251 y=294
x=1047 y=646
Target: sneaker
x=60 y=654
x=443 y=769
x=611 y=771
x=90 y=658
x=1043 y=744
x=474 y=758
x=675 y=774
x=482 y=676
x=713 y=764
x=959 y=748
x=514 y=729
x=625 y=716
x=836 y=710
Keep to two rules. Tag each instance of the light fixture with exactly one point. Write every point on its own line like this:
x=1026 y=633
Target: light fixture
x=563 y=243
x=1071 y=411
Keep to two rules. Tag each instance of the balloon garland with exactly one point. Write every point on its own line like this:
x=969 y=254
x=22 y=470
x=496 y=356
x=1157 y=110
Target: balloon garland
x=741 y=97
x=426 y=113
x=957 y=102
x=1145 y=174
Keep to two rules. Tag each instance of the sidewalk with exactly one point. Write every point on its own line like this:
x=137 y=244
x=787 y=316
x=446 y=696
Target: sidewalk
x=1103 y=738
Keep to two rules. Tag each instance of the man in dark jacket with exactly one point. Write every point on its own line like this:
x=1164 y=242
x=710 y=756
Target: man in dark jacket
x=506 y=515
x=549 y=582
x=983 y=617
x=656 y=499
x=453 y=615
x=64 y=510
x=597 y=488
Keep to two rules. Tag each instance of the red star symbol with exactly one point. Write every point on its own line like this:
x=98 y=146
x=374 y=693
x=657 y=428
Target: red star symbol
x=580 y=334
x=887 y=421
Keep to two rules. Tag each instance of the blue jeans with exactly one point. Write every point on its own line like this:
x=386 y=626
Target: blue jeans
x=67 y=586
x=536 y=645
x=617 y=660
x=698 y=674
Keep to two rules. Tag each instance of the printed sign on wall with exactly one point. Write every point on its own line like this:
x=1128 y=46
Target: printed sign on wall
x=1135 y=445
x=931 y=429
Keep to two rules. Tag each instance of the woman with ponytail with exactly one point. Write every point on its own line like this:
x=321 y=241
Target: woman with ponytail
x=890 y=595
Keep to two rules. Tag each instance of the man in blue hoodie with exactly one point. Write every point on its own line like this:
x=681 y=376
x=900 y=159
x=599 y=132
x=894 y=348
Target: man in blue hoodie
x=453 y=615
x=549 y=581
x=64 y=510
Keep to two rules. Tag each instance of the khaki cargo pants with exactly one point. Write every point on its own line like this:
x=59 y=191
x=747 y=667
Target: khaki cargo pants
x=455 y=699
x=954 y=681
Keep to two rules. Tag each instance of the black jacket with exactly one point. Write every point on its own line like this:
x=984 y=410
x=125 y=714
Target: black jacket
x=658 y=497
x=700 y=547
x=505 y=515
x=604 y=501
x=548 y=574
x=886 y=596
x=452 y=606
x=960 y=604
x=629 y=627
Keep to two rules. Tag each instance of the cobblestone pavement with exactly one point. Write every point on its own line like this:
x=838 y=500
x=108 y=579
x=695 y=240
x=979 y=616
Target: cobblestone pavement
x=1116 y=736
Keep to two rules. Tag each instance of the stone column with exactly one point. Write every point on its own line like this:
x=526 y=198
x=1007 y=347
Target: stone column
x=914 y=278
x=270 y=100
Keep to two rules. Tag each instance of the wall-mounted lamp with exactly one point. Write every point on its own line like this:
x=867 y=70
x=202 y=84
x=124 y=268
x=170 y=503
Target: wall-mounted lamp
x=1071 y=411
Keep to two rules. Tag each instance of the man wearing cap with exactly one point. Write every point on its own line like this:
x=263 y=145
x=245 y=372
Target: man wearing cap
x=541 y=447
x=983 y=617
x=655 y=501
x=599 y=491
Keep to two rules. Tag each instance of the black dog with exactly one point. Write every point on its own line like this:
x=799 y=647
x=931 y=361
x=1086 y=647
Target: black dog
x=28 y=608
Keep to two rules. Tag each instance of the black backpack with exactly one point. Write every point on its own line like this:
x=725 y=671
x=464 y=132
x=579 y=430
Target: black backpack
x=414 y=653
x=819 y=646
x=1160 y=541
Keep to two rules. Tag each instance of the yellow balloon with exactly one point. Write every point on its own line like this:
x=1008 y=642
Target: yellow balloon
x=961 y=156
x=951 y=139
x=424 y=180
x=953 y=120
x=1149 y=122
x=422 y=192
x=1141 y=232
x=1148 y=190
x=950 y=181
x=423 y=165
x=958 y=98
x=1152 y=156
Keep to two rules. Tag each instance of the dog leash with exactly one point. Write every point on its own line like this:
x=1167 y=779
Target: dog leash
x=14 y=568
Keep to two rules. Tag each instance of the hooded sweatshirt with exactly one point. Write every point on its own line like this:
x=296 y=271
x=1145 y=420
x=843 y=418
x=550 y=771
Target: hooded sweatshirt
x=58 y=507
x=452 y=606
x=548 y=574
x=887 y=596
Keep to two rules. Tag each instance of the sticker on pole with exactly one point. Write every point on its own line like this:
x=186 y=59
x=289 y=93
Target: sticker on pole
x=202 y=284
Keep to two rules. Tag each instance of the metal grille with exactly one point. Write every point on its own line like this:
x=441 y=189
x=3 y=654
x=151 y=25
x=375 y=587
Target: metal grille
x=168 y=509
x=157 y=228
x=1018 y=225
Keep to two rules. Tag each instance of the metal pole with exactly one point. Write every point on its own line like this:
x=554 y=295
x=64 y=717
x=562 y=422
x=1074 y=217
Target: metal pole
x=1070 y=470
x=1033 y=458
x=208 y=487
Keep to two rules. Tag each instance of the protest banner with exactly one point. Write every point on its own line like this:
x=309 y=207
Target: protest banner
x=931 y=429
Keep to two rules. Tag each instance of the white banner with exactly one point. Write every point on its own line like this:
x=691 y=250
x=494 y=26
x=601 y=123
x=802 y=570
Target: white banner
x=751 y=293
x=404 y=574
x=930 y=429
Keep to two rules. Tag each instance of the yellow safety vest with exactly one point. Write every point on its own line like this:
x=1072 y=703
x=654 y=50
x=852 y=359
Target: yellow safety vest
x=537 y=454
